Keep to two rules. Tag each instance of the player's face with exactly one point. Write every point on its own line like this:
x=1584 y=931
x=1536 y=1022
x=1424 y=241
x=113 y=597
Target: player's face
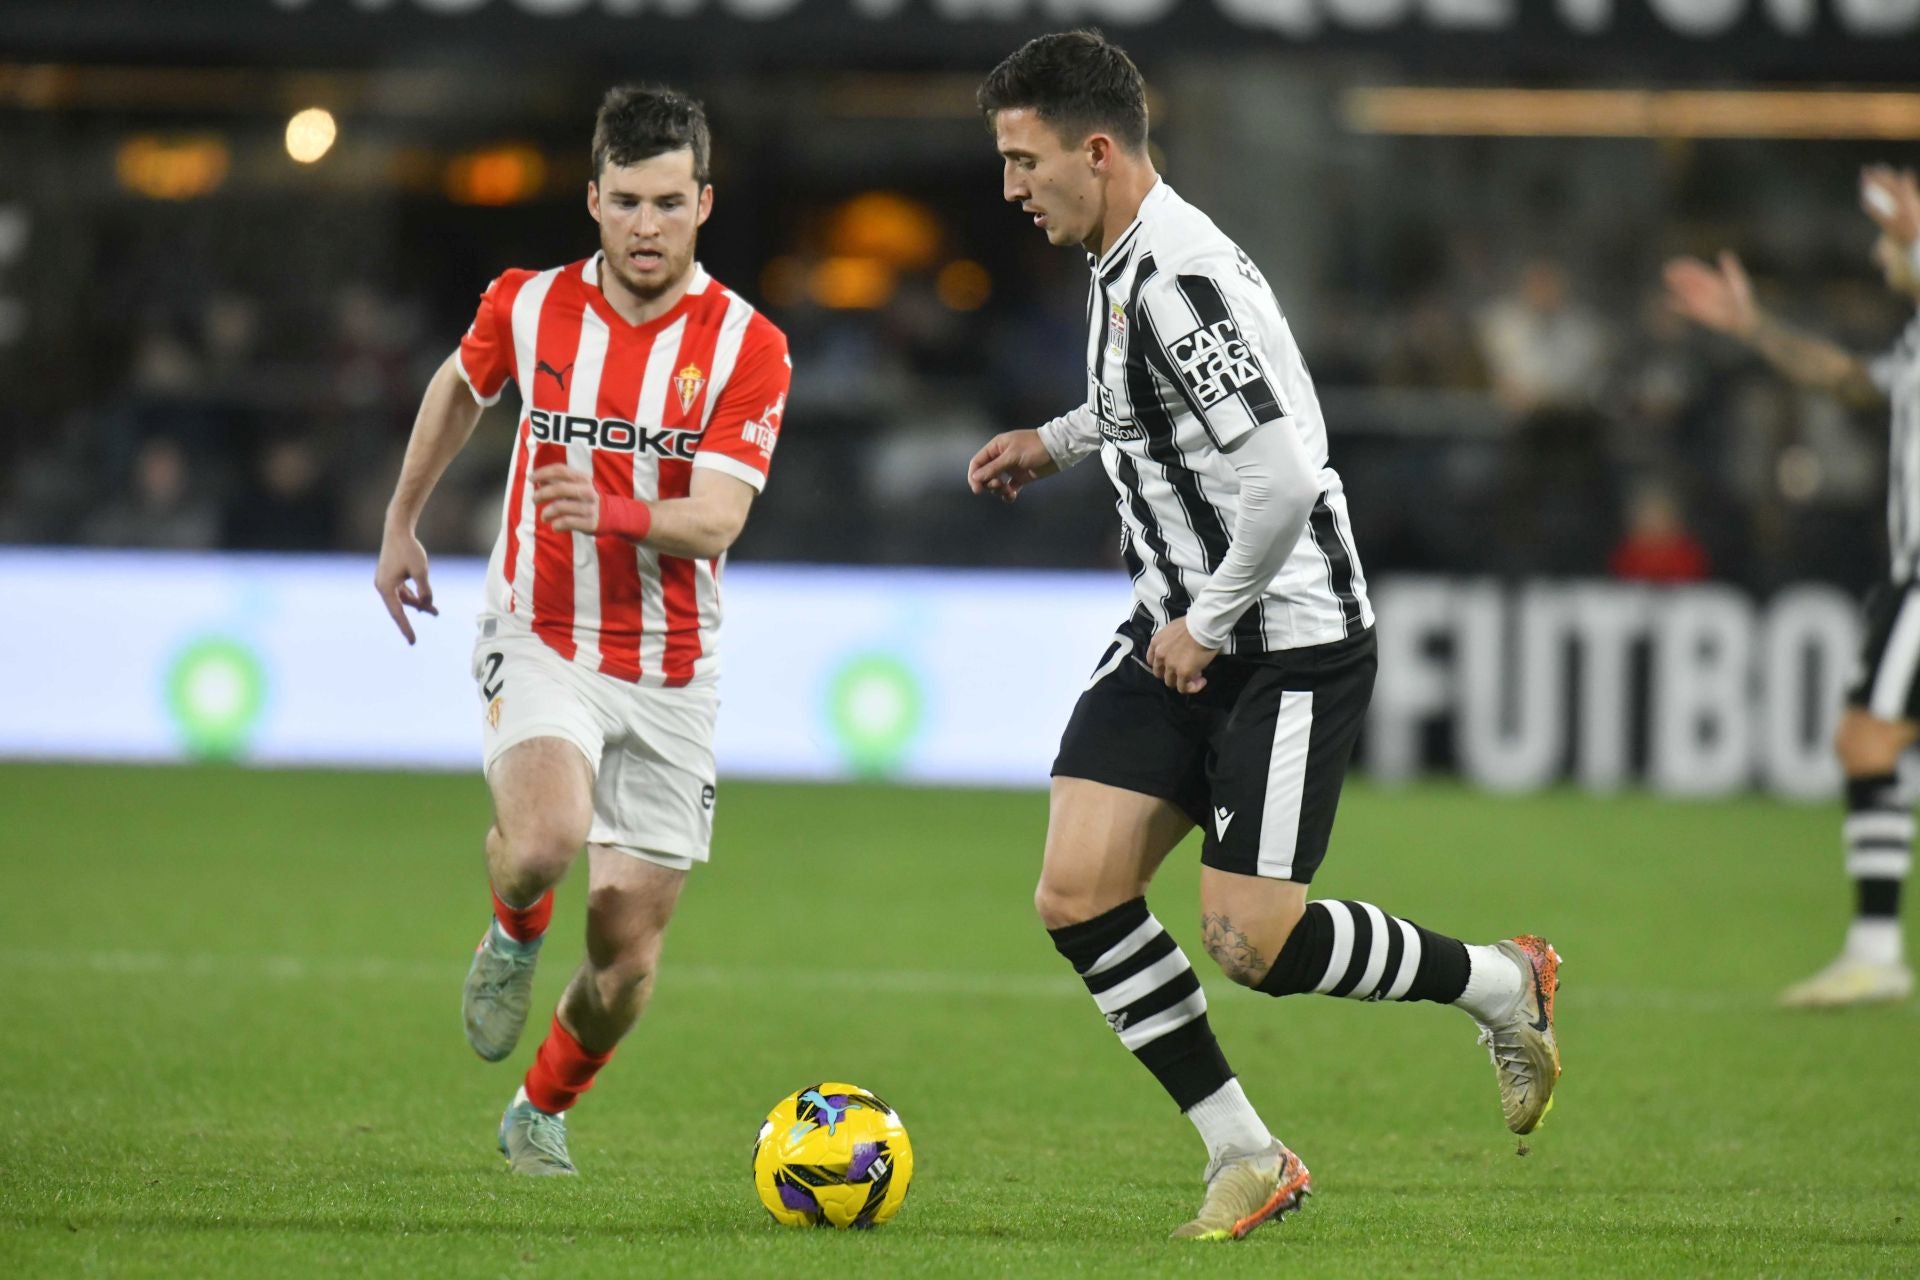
x=1048 y=179
x=1896 y=264
x=650 y=215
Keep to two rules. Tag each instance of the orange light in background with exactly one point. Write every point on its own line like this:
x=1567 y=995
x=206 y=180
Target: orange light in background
x=900 y=232
x=783 y=282
x=310 y=134
x=1634 y=113
x=852 y=284
x=963 y=285
x=496 y=175
x=172 y=168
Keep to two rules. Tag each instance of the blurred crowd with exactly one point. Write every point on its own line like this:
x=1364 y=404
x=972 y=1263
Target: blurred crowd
x=1553 y=422
x=1502 y=411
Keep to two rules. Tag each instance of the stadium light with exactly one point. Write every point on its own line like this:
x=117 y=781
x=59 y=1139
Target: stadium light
x=501 y=175
x=963 y=285
x=1633 y=113
x=310 y=134
x=852 y=284
x=172 y=168
x=898 y=230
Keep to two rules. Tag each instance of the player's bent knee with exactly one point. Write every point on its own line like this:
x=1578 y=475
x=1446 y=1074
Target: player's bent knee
x=1059 y=907
x=545 y=848
x=1054 y=909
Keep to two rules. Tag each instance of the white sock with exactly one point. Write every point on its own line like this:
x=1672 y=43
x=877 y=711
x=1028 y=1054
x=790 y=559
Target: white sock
x=1875 y=940
x=1494 y=984
x=1229 y=1125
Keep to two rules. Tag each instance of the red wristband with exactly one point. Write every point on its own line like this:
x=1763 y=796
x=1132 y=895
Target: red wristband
x=627 y=518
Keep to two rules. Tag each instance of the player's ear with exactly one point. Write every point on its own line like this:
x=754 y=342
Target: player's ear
x=1098 y=149
x=705 y=209
x=593 y=199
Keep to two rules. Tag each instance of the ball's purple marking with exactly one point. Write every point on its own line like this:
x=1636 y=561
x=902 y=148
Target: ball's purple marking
x=797 y=1199
x=864 y=1154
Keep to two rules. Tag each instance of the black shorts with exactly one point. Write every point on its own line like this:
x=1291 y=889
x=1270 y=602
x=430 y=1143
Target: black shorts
x=1888 y=686
x=1256 y=758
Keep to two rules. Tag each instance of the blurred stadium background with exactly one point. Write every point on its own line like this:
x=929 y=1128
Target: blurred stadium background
x=236 y=236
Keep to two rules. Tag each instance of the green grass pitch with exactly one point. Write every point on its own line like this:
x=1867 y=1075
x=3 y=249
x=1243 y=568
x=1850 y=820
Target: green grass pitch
x=230 y=1046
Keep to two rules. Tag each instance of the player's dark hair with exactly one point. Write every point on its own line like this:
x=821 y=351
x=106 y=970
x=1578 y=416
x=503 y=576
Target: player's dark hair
x=640 y=121
x=1076 y=81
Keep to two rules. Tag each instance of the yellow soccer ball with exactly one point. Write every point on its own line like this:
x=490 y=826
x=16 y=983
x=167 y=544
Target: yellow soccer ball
x=832 y=1154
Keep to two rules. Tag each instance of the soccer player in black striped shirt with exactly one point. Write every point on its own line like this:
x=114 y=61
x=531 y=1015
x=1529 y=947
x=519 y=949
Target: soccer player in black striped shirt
x=1231 y=696
x=1882 y=716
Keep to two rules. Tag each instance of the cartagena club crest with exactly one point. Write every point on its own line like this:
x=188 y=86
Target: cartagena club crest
x=689 y=381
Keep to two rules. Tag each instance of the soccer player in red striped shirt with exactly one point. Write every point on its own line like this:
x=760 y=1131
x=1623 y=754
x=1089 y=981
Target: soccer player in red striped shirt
x=652 y=399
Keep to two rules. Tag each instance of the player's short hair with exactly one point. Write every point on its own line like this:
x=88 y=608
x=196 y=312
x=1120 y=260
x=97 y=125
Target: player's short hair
x=1077 y=81
x=640 y=121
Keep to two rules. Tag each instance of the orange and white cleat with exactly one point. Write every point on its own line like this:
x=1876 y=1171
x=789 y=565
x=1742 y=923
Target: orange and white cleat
x=1242 y=1194
x=1526 y=1057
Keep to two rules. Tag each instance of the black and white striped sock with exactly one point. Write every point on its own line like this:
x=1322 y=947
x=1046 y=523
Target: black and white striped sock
x=1879 y=839
x=1356 y=950
x=1143 y=984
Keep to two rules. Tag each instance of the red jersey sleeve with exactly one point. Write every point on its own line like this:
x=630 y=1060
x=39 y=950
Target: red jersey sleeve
x=486 y=352
x=740 y=438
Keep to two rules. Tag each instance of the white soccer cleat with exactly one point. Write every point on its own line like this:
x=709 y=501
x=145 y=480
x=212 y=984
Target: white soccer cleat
x=534 y=1141
x=1524 y=1049
x=1847 y=982
x=498 y=991
x=1243 y=1194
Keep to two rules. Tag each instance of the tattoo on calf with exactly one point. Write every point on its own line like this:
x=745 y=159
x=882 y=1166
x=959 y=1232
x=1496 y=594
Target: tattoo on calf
x=1232 y=950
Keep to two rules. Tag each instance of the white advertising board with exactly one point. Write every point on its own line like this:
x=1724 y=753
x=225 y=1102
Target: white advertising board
x=918 y=674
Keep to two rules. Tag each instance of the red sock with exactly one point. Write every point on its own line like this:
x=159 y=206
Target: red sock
x=562 y=1070
x=524 y=924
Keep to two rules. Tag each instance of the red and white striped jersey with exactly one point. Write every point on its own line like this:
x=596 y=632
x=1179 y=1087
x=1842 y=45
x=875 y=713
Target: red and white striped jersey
x=638 y=407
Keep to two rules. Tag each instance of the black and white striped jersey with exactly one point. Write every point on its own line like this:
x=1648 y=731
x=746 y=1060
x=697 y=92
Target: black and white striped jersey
x=1898 y=374
x=1187 y=352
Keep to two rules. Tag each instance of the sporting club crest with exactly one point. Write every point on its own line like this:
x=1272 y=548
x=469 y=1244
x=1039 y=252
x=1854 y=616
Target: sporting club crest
x=688 y=382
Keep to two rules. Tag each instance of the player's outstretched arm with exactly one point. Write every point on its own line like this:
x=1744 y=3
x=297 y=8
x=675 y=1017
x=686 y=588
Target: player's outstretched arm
x=1720 y=298
x=1009 y=463
x=1891 y=197
x=448 y=414
x=700 y=526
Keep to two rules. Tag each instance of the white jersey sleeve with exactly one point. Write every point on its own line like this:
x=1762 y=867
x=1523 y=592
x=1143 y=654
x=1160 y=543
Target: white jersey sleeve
x=1217 y=335
x=1072 y=436
x=1277 y=494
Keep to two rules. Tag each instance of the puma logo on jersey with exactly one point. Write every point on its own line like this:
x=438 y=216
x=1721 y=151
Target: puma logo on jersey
x=559 y=375
x=1222 y=819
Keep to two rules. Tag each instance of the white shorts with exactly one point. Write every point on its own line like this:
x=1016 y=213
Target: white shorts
x=651 y=748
